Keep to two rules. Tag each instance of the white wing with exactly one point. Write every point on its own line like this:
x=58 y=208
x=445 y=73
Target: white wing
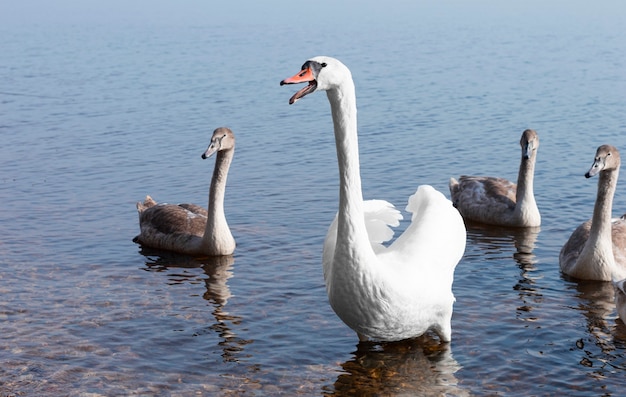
x=434 y=242
x=380 y=216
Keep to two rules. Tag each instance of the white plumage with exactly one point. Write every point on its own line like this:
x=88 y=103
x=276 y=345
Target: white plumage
x=384 y=293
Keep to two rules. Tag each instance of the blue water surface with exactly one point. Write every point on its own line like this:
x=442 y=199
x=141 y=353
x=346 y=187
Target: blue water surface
x=95 y=113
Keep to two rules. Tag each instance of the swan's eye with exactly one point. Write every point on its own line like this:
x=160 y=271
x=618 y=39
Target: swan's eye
x=324 y=64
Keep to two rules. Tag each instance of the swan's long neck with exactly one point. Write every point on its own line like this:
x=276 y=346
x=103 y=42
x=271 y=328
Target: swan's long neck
x=351 y=223
x=217 y=237
x=600 y=236
x=525 y=197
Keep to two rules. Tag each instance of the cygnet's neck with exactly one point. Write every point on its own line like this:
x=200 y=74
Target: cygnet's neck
x=526 y=207
x=602 y=211
x=217 y=236
x=599 y=246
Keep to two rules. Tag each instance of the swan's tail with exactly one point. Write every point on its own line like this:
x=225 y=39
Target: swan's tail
x=147 y=203
x=454 y=190
x=437 y=230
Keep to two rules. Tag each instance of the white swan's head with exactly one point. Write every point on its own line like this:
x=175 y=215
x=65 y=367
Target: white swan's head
x=321 y=73
x=607 y=159
x=222 y=139
x=529 y=143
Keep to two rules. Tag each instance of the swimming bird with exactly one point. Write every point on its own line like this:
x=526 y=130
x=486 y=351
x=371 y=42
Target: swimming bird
x=189 y=228
x=384 y=293
x=497 y=201
x=596 y=250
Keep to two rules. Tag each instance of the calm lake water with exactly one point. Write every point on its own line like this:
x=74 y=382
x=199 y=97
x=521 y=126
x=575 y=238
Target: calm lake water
x=94 y=117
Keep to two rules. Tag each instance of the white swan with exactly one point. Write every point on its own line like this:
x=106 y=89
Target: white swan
x=188 y=228
x=384 y=293
x=596 y=250
x=497 y=201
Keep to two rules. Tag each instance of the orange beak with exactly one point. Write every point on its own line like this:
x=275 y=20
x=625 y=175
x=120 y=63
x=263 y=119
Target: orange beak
x=305 y=76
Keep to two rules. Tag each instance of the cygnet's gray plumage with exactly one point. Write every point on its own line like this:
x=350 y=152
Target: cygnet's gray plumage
x=189 y=228
x=497 y=201
x=596 y=250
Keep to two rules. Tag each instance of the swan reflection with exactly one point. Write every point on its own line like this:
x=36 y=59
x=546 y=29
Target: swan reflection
x=523 y=238
x=501 y=239
x=529 y=293
x=416 y=367
x=217 y=271
x=604 y=332
x=596 y=300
